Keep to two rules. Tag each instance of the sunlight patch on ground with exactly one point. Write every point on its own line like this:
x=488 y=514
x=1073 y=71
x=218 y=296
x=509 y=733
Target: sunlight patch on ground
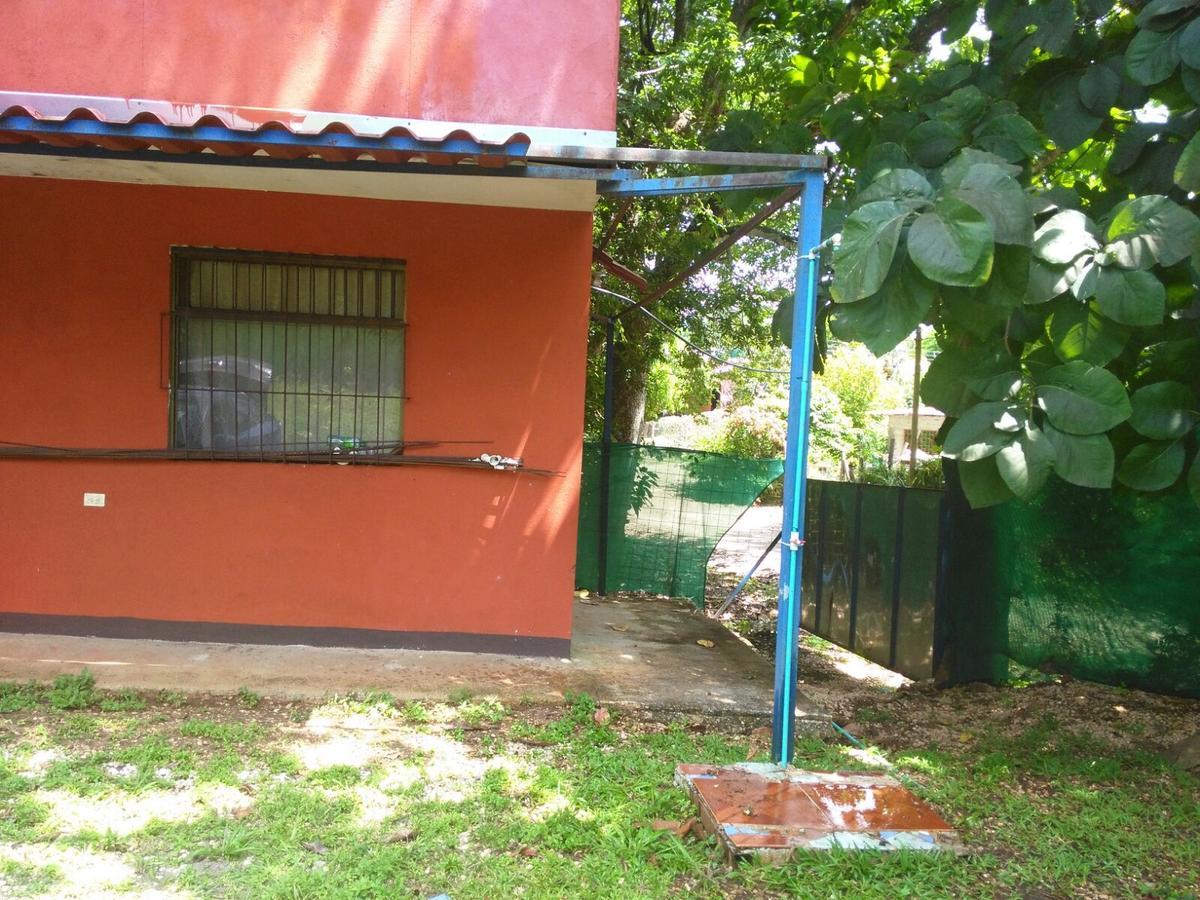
x=450 y=769
x=118 y=812
x=123 y=814
x=96 y=875
x=861 y=669
x=867 y=757
x=41 y=760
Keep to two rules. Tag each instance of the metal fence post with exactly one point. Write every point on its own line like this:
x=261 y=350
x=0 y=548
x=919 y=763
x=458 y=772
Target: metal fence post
x=605 y=459
x=787 y=635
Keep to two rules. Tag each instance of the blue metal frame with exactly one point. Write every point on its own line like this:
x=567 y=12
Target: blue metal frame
x=694 y=184
x=609 y=181
x=795 y=483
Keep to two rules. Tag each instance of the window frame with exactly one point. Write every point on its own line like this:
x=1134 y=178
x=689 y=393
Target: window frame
x=181 y=258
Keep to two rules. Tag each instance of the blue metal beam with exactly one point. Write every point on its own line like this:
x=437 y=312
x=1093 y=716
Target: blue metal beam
x=523 y=170
x=701 y=184
x=787 y=633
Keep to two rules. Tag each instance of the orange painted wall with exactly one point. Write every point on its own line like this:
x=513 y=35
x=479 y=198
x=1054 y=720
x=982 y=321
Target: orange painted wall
x=523 y=62
x=497 y=305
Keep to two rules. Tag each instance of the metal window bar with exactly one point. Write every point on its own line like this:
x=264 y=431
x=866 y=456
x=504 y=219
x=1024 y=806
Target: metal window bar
x=280 y=357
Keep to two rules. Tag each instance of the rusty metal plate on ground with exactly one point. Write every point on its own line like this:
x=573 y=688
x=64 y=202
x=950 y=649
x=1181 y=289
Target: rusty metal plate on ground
x=764 y=809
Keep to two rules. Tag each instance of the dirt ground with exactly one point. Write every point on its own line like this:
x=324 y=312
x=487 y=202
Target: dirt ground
x=886 y=709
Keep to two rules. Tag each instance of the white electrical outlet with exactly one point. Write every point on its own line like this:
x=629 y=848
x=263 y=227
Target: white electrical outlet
x=90 y=499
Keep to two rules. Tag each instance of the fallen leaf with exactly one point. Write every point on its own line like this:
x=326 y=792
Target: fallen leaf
x=401 y=835
x=705 y=642
x=582 y=595
x=528 y=851
x=315 y=847
x=601 y=716
x=240 y=812
x=618 y=627
x=760 y=741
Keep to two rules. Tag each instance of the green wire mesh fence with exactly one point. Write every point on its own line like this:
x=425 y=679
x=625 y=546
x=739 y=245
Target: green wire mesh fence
x=668 y=509
x=1103 y=585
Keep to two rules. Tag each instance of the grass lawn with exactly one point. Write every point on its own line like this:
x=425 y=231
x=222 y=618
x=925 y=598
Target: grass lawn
x=171 y=795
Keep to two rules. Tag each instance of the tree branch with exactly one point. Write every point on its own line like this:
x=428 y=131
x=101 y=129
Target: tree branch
x=851 y=13
x=928 y=24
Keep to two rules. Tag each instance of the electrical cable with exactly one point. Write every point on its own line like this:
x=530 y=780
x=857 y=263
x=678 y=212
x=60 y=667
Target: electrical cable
x=700 y=350
x=330 y=456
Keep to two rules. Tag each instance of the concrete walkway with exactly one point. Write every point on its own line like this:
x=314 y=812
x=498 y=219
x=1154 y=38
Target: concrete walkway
x=639 y=652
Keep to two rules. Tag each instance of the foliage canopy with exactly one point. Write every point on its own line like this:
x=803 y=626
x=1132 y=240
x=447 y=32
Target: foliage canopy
x=1029 y=193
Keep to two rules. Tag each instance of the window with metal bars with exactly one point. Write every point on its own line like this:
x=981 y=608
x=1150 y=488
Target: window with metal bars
x=280 y=356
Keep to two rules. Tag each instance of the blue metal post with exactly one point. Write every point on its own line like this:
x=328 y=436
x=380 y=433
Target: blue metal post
x=787 y=638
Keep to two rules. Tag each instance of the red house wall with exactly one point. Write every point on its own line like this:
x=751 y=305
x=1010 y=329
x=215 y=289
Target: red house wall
x=520 y=62
x=497 y=302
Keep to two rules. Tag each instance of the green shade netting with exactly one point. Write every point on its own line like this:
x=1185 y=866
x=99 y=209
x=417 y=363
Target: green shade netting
x=668 y=509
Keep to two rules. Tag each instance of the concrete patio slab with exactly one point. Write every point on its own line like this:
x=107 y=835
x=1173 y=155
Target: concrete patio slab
x=628 y=652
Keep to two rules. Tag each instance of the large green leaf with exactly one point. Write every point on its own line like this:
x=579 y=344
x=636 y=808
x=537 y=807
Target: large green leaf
x=1065 y=236
x=958 y=378
x=1165 y=360
x=982 y=484
x=1164 y=15
x=884 y=320
x=1152 y=466
x=966 y=159
x=1191 y=82
x=1187 y=170
x=1083 y=286
x=960 y=109
x=932 y=142
x=1194 y=479
x=896 y=184
x=975 y=435
x=1164 y=411
x=1080 y=398
x=1027 y=462
x=998 y=196
x=1083 y=459
x=1151 y=229
x=1129 y=146
x=1011 y=137
x=1131 y=297
x=1099 y=89
x=1078 y=331
x=880 y=158
x=1047 y=282
x=1152 y=56
x=1064 y=117
x=1189 y=44
x=1010 y=277
x=965 y=311
x=868 y=246
x=1154 y=172
x=952 y=244
x=1038 y=359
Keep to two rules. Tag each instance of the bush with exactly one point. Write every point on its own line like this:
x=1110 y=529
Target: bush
x=757 y=431
x=928 y=474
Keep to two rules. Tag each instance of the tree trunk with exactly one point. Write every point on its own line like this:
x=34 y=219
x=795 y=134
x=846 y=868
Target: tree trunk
x=631 y=378
x=682 y=21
